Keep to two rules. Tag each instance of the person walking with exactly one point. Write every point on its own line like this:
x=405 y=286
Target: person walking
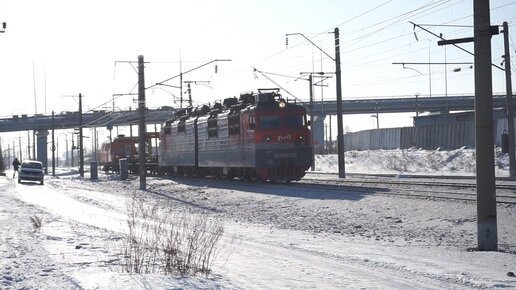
x=16 y=165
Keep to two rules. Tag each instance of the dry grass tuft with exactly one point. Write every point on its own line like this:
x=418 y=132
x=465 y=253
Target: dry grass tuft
x=160 y=240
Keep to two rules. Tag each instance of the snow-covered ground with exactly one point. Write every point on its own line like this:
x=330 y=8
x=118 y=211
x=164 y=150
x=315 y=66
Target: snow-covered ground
x=275 y=237
x=412 y=161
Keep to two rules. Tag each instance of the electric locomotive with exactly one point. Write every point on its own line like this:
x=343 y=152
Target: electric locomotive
x=121 y=147
x=259 y=136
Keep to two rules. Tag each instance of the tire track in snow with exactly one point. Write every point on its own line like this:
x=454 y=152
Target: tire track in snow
x=305 y=267
x=25 y=263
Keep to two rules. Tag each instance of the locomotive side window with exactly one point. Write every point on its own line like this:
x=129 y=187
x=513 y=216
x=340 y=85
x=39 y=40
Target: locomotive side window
x=295 y=121
x=180 y=128
x=252 y=124
x=213 y=130
x=234 y=124
x=269 y=122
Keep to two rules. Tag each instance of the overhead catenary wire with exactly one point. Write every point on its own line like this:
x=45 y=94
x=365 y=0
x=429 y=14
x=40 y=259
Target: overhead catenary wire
x=392 y=38
x=432 y=8
x=422 y=7
x=324 y=32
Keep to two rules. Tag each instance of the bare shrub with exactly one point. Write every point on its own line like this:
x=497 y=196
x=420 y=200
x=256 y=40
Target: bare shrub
x=161 y=240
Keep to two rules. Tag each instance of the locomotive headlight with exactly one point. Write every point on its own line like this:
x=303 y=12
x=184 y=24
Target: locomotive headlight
x=301 y=140
x=282 y=104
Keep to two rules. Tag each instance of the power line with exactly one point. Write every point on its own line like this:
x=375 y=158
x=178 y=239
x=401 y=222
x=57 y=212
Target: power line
x=392 y=38
x=328 y=30
x=397 y=20
x=360 y=15
x=429 y=8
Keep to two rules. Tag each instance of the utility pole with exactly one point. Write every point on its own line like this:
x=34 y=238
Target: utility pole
x=73 y=148
x=312 y=118
x=487 y=236
x=189 y=89
x=312 y=123
x=189 y=94
x=340 y=129
x=57 y=152
x=20 y=148
x=34 y=142
x=141 y=127
x=53 y=148
x=180 y=75
x=81 y=148
x=510 y=108
x=66 y=150
x=180 y=81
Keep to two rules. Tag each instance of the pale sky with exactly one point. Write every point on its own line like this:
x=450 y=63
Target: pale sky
x=73 y=47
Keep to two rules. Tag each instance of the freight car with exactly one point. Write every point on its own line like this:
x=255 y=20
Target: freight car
x=259 y=136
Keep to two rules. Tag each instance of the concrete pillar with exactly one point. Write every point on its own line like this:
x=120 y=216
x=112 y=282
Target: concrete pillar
x=41 y=145
x=124 y=168
x=318 y=133
x=94 y=170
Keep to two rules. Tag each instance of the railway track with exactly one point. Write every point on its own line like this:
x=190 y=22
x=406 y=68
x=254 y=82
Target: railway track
x=463 y=190
x=458 y=190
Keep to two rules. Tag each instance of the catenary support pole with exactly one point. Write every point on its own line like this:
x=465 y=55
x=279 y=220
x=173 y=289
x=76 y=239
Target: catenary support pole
x=81 y=147
x=141 y=127
x=20 y=154
x=53 y=147
x=312 y=122
x=340 y=129
x=66 y=151
x=486 y=191
x=73 y=149
x=510 y=109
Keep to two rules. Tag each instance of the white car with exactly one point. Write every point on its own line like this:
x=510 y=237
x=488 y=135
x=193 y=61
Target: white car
x=31 y=170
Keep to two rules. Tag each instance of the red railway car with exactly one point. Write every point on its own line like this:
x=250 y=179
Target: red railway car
x=259 y=136
x=126 y=147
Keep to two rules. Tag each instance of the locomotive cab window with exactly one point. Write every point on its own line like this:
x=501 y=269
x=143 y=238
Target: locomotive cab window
x=269 y=122
x=213 y=130
x=294 y=121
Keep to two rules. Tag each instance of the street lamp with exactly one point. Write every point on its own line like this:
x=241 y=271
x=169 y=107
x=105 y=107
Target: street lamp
x=340 y=128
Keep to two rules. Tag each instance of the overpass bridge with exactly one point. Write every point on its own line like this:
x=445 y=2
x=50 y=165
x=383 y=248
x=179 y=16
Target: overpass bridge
x=404 y=105
x=69 y=120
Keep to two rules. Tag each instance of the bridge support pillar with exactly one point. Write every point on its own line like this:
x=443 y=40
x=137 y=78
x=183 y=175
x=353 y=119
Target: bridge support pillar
x=41 y=146
x=318 y=133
